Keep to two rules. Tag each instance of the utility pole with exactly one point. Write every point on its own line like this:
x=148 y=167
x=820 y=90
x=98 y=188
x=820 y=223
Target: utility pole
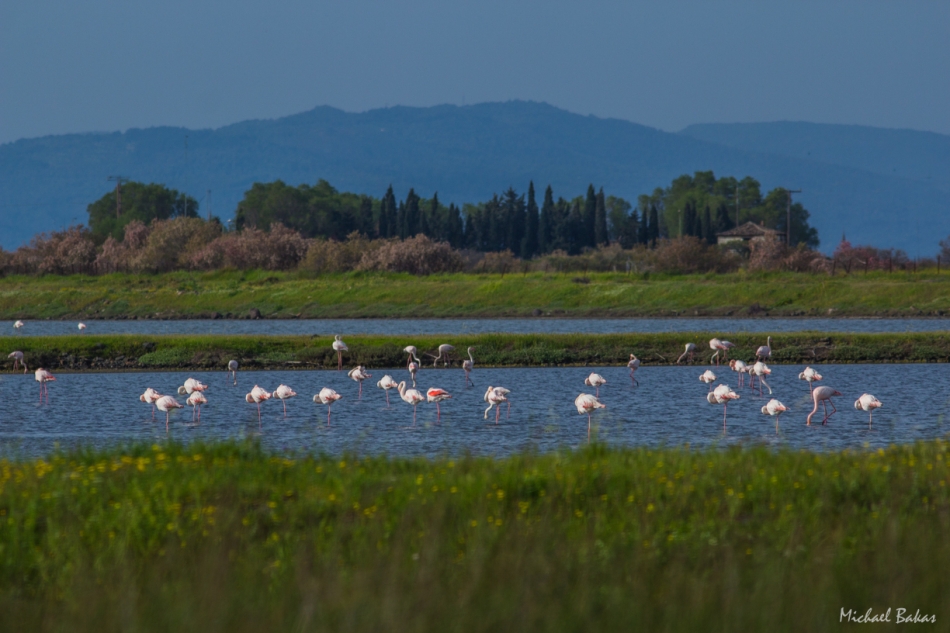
x=788 y=216
x=118 y=193
x=737 y=205
x=209 y=205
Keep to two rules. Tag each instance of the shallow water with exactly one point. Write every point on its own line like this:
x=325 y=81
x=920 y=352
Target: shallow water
x=476 y=326
x=668 y=407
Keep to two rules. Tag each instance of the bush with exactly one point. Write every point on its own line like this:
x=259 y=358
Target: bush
x=278 y=249
x=171 y=244
x=417 y=255
x=331 y=256
x=688 y=254
x=55 y=253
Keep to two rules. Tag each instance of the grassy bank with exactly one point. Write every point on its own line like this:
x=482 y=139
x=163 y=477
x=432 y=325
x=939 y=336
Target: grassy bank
x=130 y=352
x=290 y=295
x=229 y=538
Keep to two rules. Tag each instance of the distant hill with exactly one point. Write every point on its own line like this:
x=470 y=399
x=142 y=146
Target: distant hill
x=465 y=153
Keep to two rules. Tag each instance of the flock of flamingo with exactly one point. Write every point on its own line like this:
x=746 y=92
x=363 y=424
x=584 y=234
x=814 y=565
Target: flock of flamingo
x=585 y=403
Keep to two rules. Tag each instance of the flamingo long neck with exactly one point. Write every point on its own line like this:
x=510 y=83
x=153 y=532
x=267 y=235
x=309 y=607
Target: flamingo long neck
x=470 y=357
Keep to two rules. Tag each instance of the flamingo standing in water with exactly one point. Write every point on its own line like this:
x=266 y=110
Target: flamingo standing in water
x=42 y=376
x=232 y=370
x=413 y=354
x=386 y=383
x=327 y=396
x=445 y=351
x=708 y=377
x=811 y=376
x=81 y=327
x=468 y=366
x=587 y=403
x=165 y=404
x=436 y=395
x=411 y=396
x=634 y=365
x=760 y=370
x=18 y=325
x=196 y=399
x=257 y=396
x=823 y=395
x=688 y=354
x=339 y=347
x=719 y=346
x=413 y=368
x=765 y=351
x=494 y=396
x=775 y=409
x=868 y=404
x=722 y=394
x=595 y=381
x=150 y=397
x=191 y=385
x=359 y=374
x=17 y=357
x=740 y=368
x=284 y=393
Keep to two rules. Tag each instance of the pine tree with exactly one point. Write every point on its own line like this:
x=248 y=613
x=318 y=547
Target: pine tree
x=654 y=228
x=709 y=231
x=529 y=244
x=600 y=220
x=589 y=217
x=546 y=222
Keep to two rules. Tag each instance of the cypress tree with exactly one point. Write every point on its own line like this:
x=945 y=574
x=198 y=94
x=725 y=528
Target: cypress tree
x=643 y=232
x=366 y=217
x=546 y=222
x=709 y=229
x=401 y=221
x=589 y=217
x=454 y=228
x=600 y=220
x=412 y=214
x=654 y=228
x=529 y=244
x=723 y=219
x=388 y=216
x=575 y=229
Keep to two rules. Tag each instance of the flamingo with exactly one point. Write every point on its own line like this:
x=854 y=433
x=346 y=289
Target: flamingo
x=868 y=404
x=150 y=397
x=327 y=396
x=165 y=404
x=823 y=395
x=634 y=365
x=722 y=394
x=436 y=395
x=17 y=357
x=283 y=393
x=191 y=385
x=386 y=383
x=468 y=366
x=775 y=409
x=257 y=396
x=587 y=403
x=413 y=353
x=811 y=376
x=445 y=351
x=413 y=368
x=359 y=374
x=411 y=396
x=339 y=347
x=690 y=351
x=18 y=325
x=765 y=351
x=708 y=377
x=595 y=380
x=719 y=346
x=81 y=327
x=196 y=399
x=42 y=376
x=760 y=370
x=232 y=370
x=741 y=368
x=494 y=396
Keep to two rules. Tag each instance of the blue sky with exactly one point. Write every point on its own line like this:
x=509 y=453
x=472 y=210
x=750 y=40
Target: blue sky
x=110 y=65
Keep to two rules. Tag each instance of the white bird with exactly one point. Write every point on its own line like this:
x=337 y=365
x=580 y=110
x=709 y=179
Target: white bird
x=386 y=383
x=81 y=326
x=42 y=376
x=760 y=370
x=775 y=409
x=327 y=396
x=436 y=395
x=445 y=351
x=257 y=396
x=868 y=404
x=595 y=380
x=633 y=364
x=811 y=376
x=722 y=394
x=708 y=377
x=468 y=366
x=191 y=385
x=413 y=354
x=741 y=368
x=494 y=396
x=339 y=347
x=413 y=368
x=412 y=397
x=765 y=351
x=284 y=393
x=359 y=374
x=824 y=396
x=150 y=397
x=232 y=370
x=688 y=354
x=196 y=399
x=587 y=403
x=165 y=404
x=719 y=346
x=18 y=325
x=17 y=357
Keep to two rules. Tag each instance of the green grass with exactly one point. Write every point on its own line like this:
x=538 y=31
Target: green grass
x=228 y=537
x=130 y=352
x=289 y=295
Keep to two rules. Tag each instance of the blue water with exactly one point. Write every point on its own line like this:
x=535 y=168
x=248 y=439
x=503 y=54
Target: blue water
x=668 y=407
x=345 y=327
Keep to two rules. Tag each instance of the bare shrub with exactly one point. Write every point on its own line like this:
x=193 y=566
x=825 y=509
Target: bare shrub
x=279 y=248
x=767 y=253
x=417 y=255
x=172 y=243
x=330 y=256
x=55 y=253
x=500 y=262
x=857 y=258
x=688 y=254
x=804 y=260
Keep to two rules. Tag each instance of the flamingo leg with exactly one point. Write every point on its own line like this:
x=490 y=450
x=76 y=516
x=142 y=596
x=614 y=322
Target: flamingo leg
x=414 y=415
x=508 y=415
x=497 y=413
x=360 y=395
x=724 y=408
x=258 y=415
x=588 y=427
x=776 y=423
x=167 y=413
x=329 y=407
x=153 y=410
x=285 y=407
x=438 y=412
x=387 y=398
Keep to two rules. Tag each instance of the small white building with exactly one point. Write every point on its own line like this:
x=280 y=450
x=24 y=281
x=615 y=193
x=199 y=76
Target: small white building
x=748 y=232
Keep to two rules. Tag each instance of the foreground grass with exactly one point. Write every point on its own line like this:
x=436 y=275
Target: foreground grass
x=125 y=351
x=289 y=295
x=231 y=538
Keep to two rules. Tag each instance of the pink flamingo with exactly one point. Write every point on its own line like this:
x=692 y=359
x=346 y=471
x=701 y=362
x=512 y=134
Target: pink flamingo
x=18 y=325
x=868 y=404
x=413 y=368
x=823 y=395
x=327 y=396
x=232 y=370
x=445 y=352
x=708 y=377
x=17 y=357
x=494 y=396
x=595 y=380
x=359 y=374
x=42 y=376
x=688 y=354
x=468 y=366
x=633 y=364
x=760 y=370
x=191 y=385
x=775 y=409
x=413 y=354
x=722 y=394
x=283 y=393
x=587 y=403
x=765 y=351
x=339 y=347
x=410 y=396
x=740 y=368
x=436 y=395
x=257 y=396
x=386 y=383
x=811 y=376
x=196 y=399
x=719 y=346
x=81 y=327
x=150 y=397
x=166 y=404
